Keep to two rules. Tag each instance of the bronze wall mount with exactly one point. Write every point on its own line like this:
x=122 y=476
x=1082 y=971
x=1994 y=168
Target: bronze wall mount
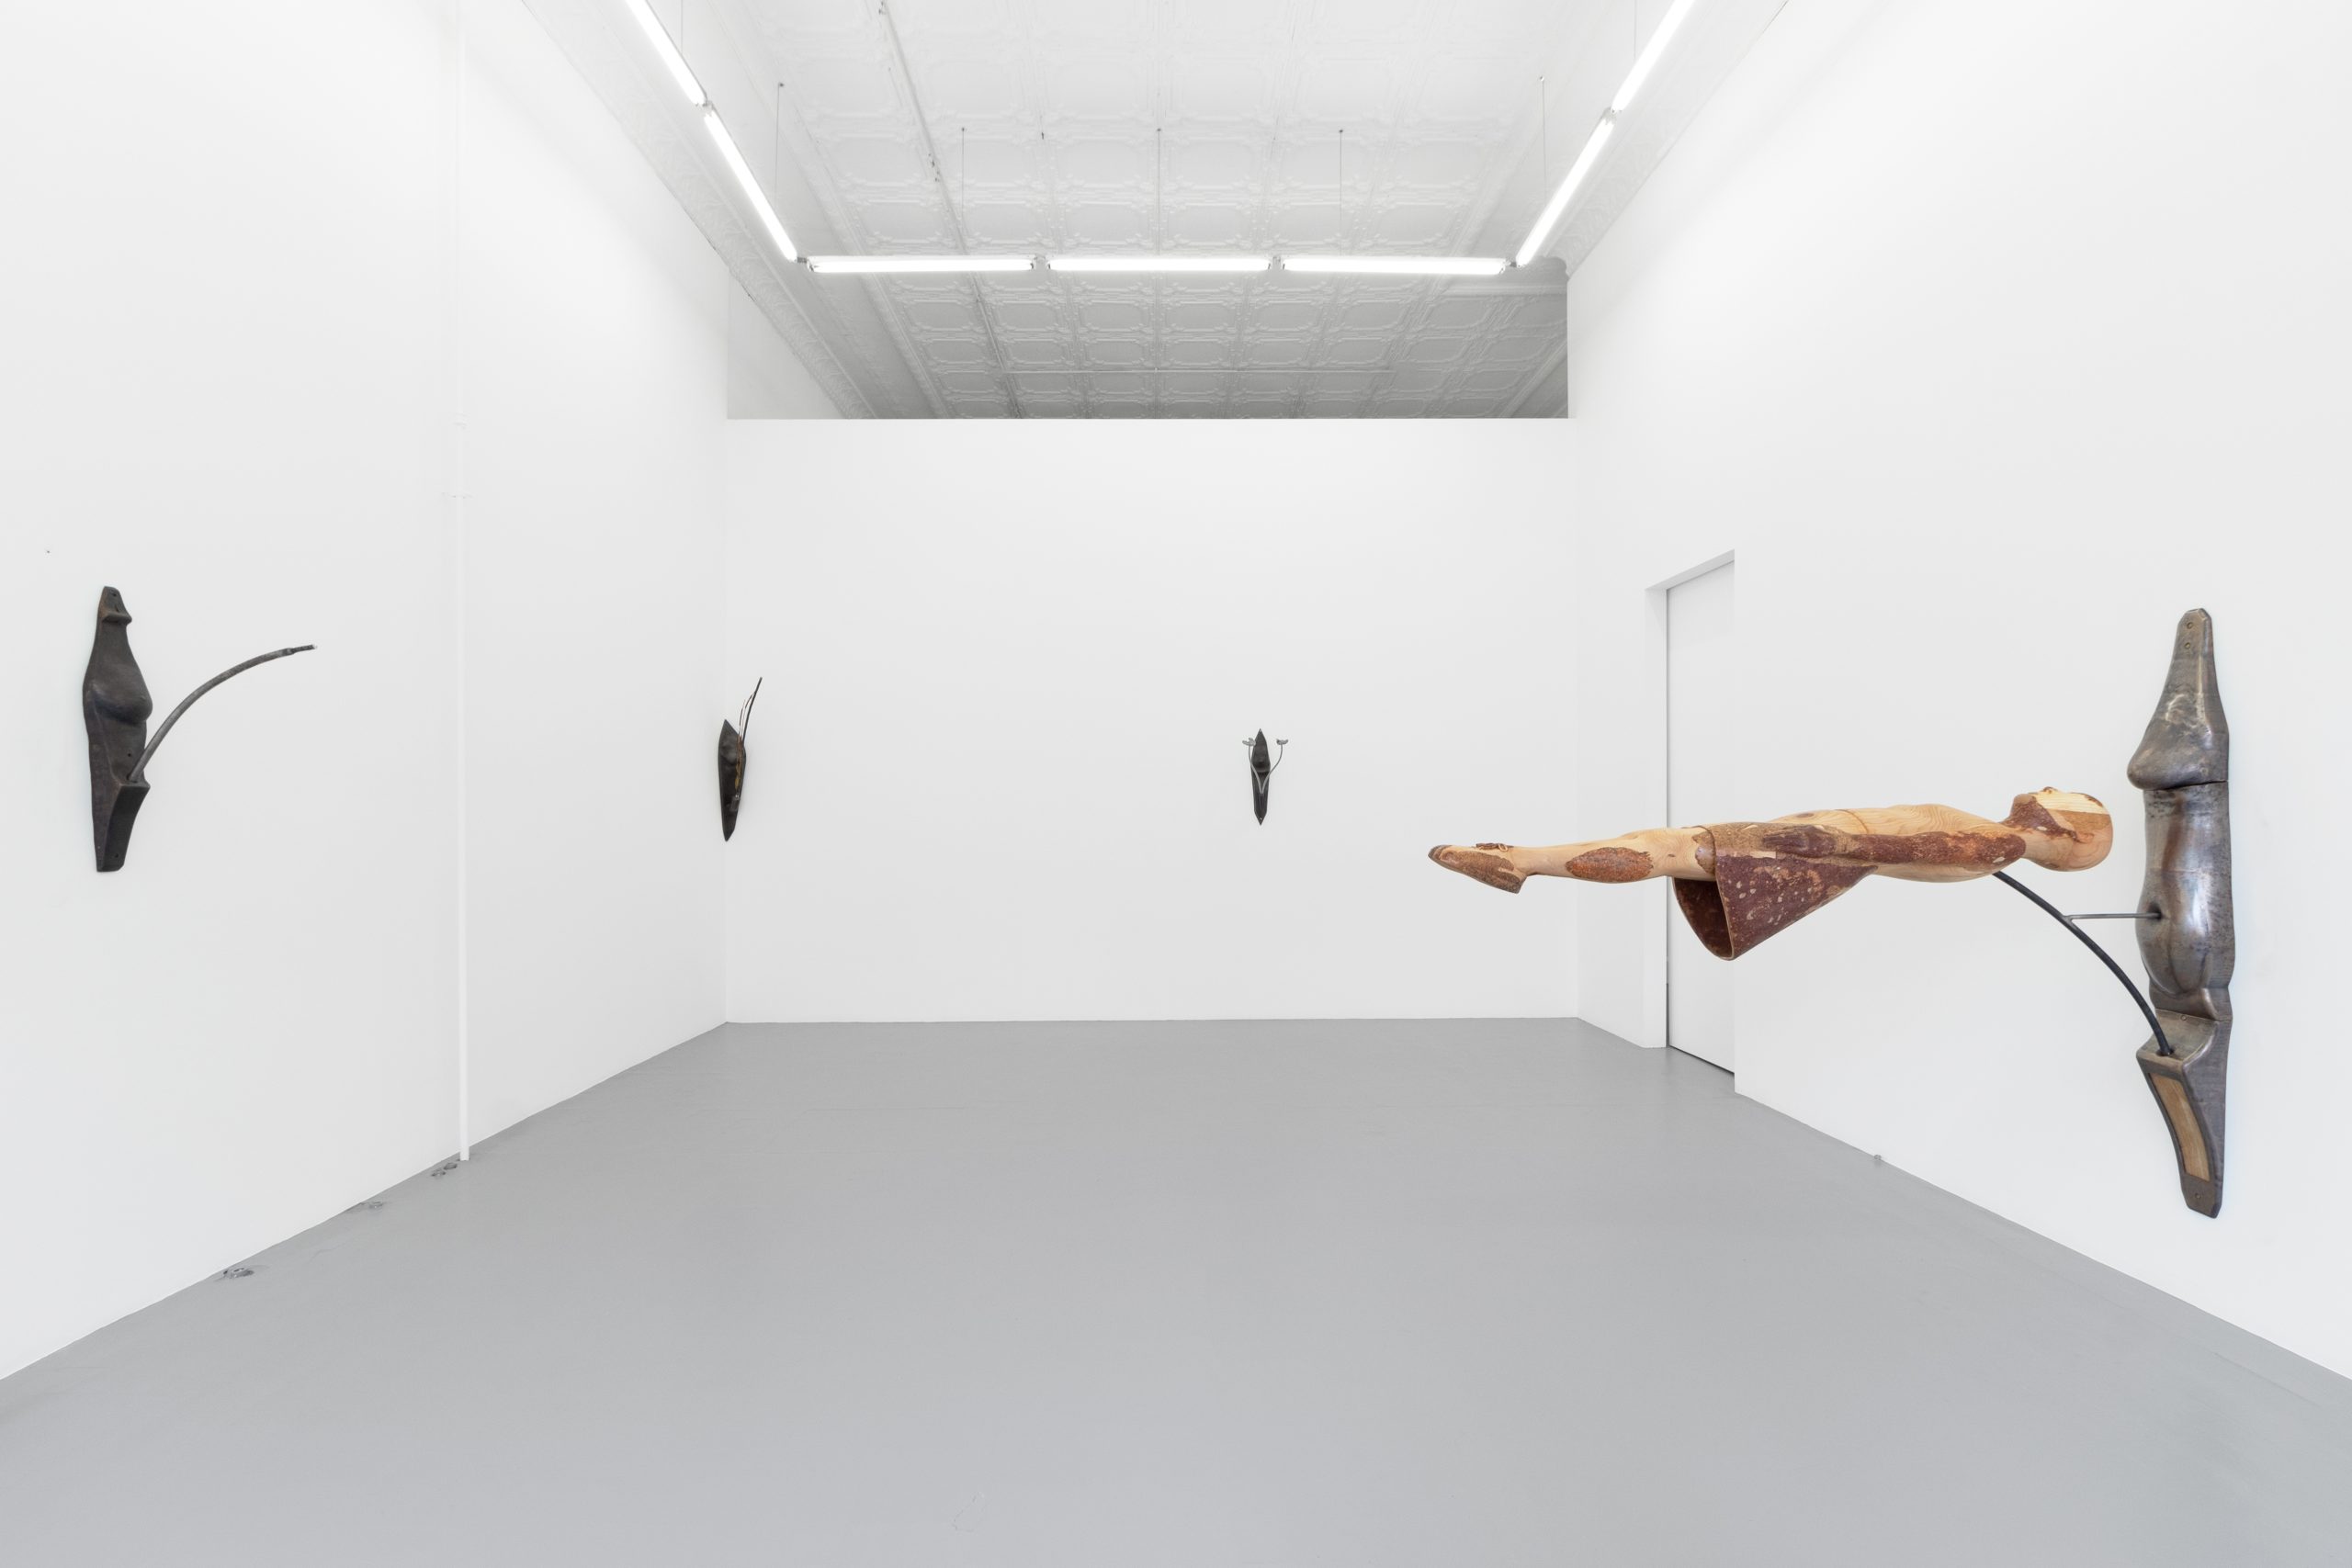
x=115 y=710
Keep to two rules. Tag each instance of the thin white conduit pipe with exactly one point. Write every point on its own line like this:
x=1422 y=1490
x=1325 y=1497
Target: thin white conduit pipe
x=456 y=339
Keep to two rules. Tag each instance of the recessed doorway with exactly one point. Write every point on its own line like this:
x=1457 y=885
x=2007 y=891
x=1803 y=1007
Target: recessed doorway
x=1699 y=787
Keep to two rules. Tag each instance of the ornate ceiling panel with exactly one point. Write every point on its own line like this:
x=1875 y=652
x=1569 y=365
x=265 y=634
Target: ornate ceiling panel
x=1183 y=125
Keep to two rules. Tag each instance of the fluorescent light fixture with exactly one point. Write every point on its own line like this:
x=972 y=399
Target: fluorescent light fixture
x=659 y=36
x=1559 y=202
x=1159 y=264
x=920 y=264
x=1417 y=266
x=1646 y=61
x=759 y=198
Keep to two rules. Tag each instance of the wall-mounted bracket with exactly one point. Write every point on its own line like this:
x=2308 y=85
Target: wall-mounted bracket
x=115 y=710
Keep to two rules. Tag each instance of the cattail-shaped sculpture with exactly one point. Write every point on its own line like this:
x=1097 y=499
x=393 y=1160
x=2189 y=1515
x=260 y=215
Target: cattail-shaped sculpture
x=115 y=710
x=732 y=759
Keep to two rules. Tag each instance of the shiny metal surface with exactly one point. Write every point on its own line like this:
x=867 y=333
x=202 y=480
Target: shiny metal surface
x=2183 y=769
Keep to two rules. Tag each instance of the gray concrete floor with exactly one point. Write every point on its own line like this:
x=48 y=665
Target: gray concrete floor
x=1233 y=1295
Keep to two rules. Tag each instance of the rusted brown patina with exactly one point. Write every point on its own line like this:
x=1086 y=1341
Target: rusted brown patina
x=1757 y=891
x=1703 y=910
x=1805 y=840
x=1611 y=864
x=2029 y=813
x=1494 y=869
x=1975 y=851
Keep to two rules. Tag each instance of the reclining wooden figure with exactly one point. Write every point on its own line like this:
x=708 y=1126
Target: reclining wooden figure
x=1738 y=882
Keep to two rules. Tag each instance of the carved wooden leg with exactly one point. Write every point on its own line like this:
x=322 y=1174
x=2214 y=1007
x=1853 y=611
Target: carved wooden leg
x=1630 y=857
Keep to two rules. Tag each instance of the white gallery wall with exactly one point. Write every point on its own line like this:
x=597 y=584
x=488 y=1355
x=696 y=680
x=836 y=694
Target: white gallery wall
x=596 y=321
x=219 y=397
x=1991 y=338
x=997 y=769
x=238 y=354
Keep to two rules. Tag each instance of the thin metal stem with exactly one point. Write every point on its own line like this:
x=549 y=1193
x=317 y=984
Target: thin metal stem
x=744 y=729
x=1543 y=129
x=1339 y=183
x=947 y=201
x=138 y=772
x=2164 y=1045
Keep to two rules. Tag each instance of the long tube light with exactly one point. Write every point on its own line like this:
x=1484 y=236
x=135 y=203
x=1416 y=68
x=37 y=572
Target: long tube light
x=743 y=176
x=1424 y=266
x=920 y=264
x=659 y=36
x=1646 y=61
x=1411 y=267
x=1159 y=264
x=1644 y=65
x=1559 y=202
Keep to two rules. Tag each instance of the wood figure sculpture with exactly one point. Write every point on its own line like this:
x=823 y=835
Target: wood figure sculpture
x=732 y=759
x=115 y=710
x=1738 y=882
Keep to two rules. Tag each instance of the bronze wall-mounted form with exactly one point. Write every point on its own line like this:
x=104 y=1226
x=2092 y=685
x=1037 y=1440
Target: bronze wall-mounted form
x=1262 y=771
x=115 y=710
x=732 y=761
x=2190 y=948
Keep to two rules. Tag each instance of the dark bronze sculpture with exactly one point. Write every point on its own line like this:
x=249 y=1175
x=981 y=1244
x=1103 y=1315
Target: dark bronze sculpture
x=115 y=710
x=731 y=758
x=2190 y=946
x=1262 y=771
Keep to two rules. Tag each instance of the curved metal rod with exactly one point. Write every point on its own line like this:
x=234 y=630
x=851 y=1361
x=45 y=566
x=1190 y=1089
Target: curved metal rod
x=139 y=769
x=2163 y=1047
x=745 y=728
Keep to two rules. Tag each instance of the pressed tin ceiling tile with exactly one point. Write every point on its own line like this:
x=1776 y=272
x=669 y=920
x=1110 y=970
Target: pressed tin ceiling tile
x=1177 y=125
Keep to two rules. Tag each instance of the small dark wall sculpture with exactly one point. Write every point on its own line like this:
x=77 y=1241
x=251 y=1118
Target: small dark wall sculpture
x=115 y=710
x=1262 y=771
x=2190 y=946
x=732 y=761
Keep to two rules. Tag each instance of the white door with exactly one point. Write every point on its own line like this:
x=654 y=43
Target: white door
x=1700 y=788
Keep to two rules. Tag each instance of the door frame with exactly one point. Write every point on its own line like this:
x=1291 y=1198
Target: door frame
x=1661 y=915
